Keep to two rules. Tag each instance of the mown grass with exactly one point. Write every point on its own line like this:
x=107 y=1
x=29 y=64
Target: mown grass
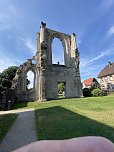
x=68 y=118
x=6 y=121
x=111 y=94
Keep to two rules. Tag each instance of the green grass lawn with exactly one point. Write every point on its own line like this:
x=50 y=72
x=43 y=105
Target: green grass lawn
x=6 y=121
x=68 y=118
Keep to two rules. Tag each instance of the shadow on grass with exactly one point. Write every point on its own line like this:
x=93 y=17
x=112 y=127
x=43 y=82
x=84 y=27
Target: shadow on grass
x=60 y=123
x=19 y=105
x=6 y=121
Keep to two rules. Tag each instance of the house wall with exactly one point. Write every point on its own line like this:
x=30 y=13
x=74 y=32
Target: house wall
x=107 y=83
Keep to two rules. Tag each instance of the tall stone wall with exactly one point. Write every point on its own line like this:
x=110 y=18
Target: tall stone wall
x=48 y=75
x=60 y=73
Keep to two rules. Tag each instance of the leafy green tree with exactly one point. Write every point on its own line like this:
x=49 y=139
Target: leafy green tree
x=7 y=76
x=6 y=83
x=9 y=73
x=61 y=87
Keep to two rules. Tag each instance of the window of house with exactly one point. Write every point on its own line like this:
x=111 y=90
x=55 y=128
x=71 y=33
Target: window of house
x=111 y=78
x=101 y=80
x=112 y=86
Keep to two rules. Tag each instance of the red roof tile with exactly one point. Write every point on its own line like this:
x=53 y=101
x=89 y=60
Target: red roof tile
x=88 y=82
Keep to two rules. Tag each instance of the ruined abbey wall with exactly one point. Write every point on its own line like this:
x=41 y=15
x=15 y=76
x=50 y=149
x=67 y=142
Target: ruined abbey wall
x=47 y=75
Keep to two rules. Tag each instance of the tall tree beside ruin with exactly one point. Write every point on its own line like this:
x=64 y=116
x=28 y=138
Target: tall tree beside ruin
x=7 y=76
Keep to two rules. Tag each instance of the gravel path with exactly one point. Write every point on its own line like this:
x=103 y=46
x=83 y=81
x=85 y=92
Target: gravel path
x=21 y=133
x=16 y=111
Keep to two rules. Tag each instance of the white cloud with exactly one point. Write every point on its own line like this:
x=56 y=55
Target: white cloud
x=90 y=71
x=111 y=31
x=29 y=44
x=89 y=67
x=87 y=61
x=5 y=62
x=102 y=54
x=7 y=59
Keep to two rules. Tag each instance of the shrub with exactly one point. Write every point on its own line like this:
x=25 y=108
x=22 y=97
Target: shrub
x=104 y=92
x=87 y=92
x=97 y=92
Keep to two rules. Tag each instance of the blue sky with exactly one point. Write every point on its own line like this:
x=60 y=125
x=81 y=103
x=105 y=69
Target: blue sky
x=91 y=20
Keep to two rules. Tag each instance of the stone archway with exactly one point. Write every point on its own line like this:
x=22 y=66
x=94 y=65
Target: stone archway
x=20 y=81
x=30 y=79
x=52 y=74
x=47 y=75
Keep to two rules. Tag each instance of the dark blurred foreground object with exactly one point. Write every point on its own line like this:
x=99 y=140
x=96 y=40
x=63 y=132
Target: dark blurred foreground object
x=82 y=144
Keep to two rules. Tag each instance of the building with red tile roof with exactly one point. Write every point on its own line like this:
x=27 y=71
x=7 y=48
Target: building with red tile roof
x=91 y=82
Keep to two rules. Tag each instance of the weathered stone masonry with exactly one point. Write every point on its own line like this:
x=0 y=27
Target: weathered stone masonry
x=47 y=75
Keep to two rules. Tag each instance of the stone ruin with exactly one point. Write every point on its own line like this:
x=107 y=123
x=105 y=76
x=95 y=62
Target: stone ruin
x=48 y=75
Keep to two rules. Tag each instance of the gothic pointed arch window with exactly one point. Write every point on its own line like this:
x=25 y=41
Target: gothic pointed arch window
x=30 y=80
x=57 y=52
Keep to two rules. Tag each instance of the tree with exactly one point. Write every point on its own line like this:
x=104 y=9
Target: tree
x=87 y=92
x=1 y=88
x=97 y=92
x=61 y=87
x=27 y=83
x=7 y=76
